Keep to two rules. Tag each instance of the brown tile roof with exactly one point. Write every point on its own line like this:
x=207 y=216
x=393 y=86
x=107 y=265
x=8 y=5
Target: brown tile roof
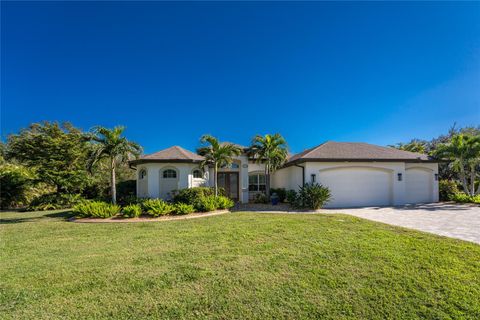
x=355 y=151
x=173 y=154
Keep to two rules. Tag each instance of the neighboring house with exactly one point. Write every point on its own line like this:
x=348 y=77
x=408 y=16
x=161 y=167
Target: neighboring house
x=357 y=174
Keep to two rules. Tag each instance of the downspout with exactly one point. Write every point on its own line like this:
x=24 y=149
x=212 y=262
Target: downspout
x=303 y=173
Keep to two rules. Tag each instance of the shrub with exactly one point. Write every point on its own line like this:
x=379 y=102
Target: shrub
x=465 y=198
x=447 y=190
x=192 y=195
x=291 y=196
x=281 y=193
x=260 y=198
x=224 y=202
x=96 y=209
x=206 y=204
x=157 y=207
x=54 y=201
x=125 y=201
x=183 y=208
x=312 y=196
x=132 y=211
x=16 y=183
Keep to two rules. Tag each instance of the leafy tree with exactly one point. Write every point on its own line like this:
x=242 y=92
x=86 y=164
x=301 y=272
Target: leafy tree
x=109 y=144
x=56 y=152
x=16 y=182
x=270 y=150
x=216 y=155
x=464 y=153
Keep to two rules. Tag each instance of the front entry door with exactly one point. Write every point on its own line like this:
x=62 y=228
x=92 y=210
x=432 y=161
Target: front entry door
x=229 y=182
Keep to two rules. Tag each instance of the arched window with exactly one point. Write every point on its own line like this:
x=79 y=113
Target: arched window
x=197 y=173
x=169 y=173
x=143 y=174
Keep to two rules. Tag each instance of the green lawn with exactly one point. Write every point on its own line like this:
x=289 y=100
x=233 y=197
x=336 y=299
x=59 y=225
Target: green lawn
x=240 y=265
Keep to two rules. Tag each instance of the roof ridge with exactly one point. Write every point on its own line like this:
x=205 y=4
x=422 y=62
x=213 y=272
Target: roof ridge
x=182 y=151
x=315 y=148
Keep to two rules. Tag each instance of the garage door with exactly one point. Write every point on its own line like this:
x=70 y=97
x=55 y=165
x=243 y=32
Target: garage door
x=358 y=186
x=418 y=185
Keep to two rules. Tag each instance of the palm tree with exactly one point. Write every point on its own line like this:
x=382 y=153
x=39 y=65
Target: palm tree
x=109 y=144
x=412 y=146
x=216 y=155
x=464 y=152
x=270 y=150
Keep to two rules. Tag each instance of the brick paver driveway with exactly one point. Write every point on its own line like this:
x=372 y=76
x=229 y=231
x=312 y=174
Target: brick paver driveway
x=451 y=220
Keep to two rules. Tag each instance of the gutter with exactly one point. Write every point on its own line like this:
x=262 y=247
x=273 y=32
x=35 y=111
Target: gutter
x=303 y=173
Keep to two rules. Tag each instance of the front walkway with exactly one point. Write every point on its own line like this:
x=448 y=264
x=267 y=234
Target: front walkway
x=460 y=221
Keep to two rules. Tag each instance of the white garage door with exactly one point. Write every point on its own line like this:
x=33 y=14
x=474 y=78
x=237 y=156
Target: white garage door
x=358 y=186
x=418 y=185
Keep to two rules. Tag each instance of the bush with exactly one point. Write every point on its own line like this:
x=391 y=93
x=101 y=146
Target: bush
x=312 y=196
x=224 y=202
x=192 y=195
x=447 y=190
x=132 y=211
x=291 y=196
x=157 y=207
x=125 y=201
x=465 y=198
x=183 y=208
x=281 y=193
x=96 y=209
x=54 y=201
x=206 y=204
x=16 y=182
x=260 y=198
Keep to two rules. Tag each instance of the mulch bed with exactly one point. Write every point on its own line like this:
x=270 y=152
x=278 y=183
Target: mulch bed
x=119 y=219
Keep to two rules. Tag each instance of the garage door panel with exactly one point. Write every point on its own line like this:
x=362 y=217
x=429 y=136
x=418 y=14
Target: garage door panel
x=418 y=185
x=358 y=186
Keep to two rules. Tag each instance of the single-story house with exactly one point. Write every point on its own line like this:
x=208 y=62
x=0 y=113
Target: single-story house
x=357 y=174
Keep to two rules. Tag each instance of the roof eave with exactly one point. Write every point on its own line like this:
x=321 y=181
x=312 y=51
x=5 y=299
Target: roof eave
x=141 y=161
x=298 y=161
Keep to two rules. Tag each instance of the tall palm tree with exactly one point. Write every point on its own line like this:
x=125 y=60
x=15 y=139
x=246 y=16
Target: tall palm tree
x=270 y=150
x=216 y=155
x=464 y=152
x=110 y=144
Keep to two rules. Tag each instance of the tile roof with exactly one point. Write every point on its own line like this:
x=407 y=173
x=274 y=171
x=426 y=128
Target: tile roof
x=174 y=153
x=331 y=150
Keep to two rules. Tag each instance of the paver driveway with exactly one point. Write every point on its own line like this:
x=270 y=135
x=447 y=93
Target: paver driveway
x=451 y=220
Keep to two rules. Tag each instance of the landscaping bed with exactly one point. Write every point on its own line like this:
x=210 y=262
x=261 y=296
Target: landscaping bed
x=145 y=218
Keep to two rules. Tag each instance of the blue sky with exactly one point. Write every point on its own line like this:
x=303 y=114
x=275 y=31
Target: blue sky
x=170 y=72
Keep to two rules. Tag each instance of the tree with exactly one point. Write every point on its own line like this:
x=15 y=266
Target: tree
x=56 y=152
x=109 y=144
x=270 y=150
x=216 y=155
x=414 y=145
x=464 y=153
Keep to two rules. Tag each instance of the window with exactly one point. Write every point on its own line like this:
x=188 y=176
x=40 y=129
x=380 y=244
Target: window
x=313 y=178
x=231 y=166
x=256 y=182
x=143 y=174
x=169 y=173
x=197 y=173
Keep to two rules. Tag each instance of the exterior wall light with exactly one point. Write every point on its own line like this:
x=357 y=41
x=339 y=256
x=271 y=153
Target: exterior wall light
x=313 y=177
x=436 y=176
x=399 y=176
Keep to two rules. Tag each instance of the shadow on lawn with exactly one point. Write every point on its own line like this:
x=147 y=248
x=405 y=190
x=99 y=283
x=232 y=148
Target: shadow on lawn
x=63 y=216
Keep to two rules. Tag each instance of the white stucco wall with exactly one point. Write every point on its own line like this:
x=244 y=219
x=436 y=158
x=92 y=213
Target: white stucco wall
x=289 y=178
x=185 y=178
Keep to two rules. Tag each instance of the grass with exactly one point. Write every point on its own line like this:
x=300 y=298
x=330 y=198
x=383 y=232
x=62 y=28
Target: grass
x=241 y=265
